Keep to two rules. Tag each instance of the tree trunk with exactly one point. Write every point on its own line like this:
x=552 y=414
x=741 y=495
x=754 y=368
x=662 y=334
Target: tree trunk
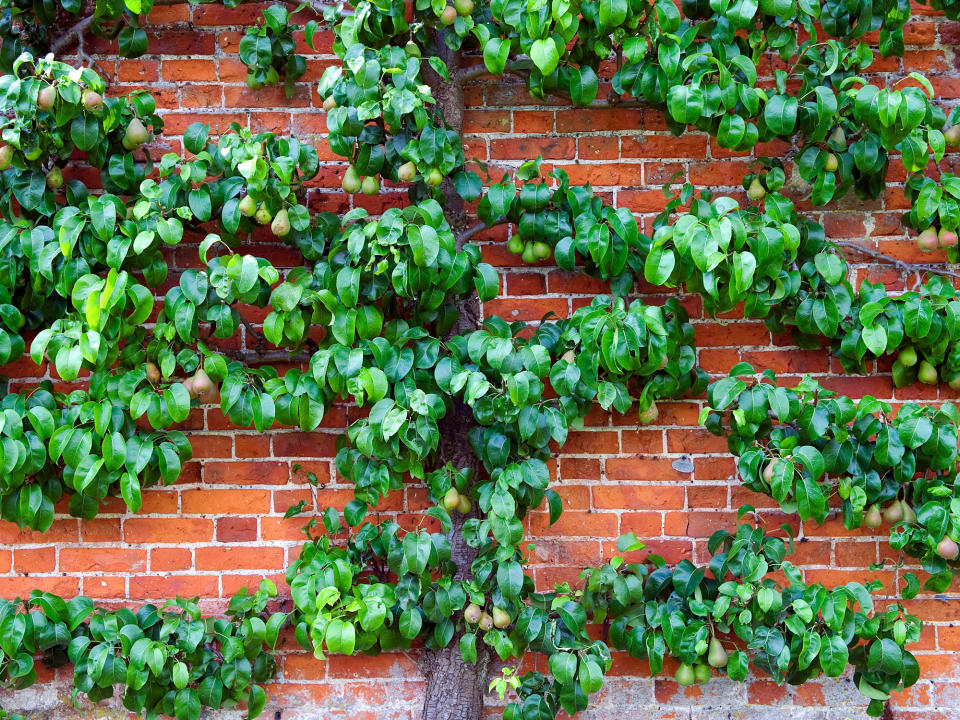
x=455 y=689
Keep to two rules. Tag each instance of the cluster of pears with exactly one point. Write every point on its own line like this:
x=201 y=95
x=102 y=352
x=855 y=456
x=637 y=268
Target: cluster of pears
x=931 y=239
x=899 y=511
x=699 y=673
x=530 y=251
x=197 y=384
x=460 y=8
x=279 y=223
x=354 y=182
x=454 y=500
x=476 y=615
x=926 y=371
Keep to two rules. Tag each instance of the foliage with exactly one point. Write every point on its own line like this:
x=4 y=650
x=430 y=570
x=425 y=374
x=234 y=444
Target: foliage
x=170 y=660
x=382 y=313
x=388 y=588
x=268 y=51
x=807 y=446
x=85 y=444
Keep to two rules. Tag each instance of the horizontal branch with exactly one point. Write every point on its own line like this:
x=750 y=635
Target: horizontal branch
x=903 y=265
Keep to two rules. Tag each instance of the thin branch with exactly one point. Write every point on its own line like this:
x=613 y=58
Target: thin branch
x=479 y=227
x=903 y=265
x=71 y=35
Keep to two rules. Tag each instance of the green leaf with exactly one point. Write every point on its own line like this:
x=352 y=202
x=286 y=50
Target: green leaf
x=545 y=55
x=833 y=656
x=187 y=705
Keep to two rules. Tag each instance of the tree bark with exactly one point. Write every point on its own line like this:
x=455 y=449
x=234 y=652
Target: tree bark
x=455 y=689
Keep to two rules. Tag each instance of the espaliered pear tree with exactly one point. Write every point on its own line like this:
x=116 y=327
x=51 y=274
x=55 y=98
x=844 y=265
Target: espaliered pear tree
x=386 y=312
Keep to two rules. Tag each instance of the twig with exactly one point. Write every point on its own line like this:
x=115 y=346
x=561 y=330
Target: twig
x=479 y=227
x=258 y=336
x=903 y=265
x=72 y=34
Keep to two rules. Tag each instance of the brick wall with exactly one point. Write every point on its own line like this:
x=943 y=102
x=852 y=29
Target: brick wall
x=221 y=526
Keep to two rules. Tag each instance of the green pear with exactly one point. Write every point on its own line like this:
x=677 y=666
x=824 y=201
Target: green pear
x=248 y=206
x=263 y=215
x=281 y=223
x=685 y=675
x=717 y=656
x=46 y=98
x=54 y=178
x=451 y=499
x=927 y=373
x=351 y=180
x=92 y=100
x=407 y=172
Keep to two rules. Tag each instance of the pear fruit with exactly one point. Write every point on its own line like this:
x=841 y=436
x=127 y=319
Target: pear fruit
x=451 y=499
x=6 y=156
x=263 y=215
x=768 y=472
x=281 y=224
x=501 y=618
x=946 y=238
x=873 y=518
x=329 y=104
x=135 y=135
x=472 y=614
x=248 y=206
x=908 y=356
x=515 y=244
x=486 y=622
x=894 y=512
x=92 y=100
x=952 y=136
x=55 y=178
x=464 y=505
x=756 y=191
x=701 y=674
x=202 y=383
x=838 y=137
x=909 y=516
x=685 y=675
x=528 y=255
x=541 y=250
x=370 y=185
x=649 y=414
x=448 y=16
x=928 y=240
x=46 y=98
x=351 y=180
x=463 y=7
x=948 y=549
x=153 y=372
x=716 y=656
x=927 y=373
x=434 y=177
x=407 y=172
x=831 y=163
x=954 y=382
